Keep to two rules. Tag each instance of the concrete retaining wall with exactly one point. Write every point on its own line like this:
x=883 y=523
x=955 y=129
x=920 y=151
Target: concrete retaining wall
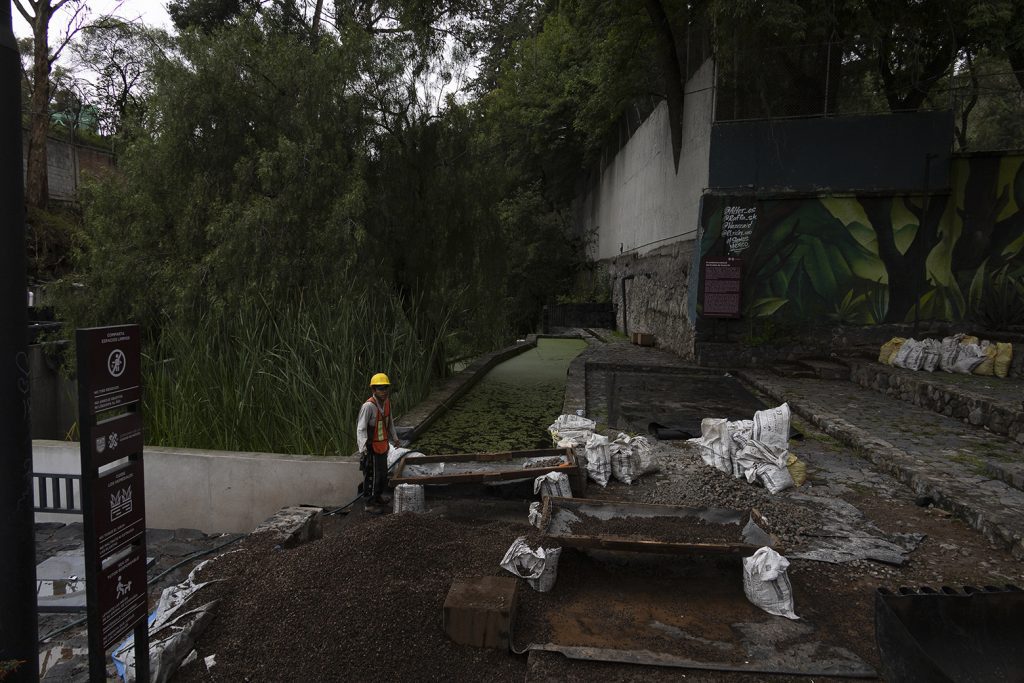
x=218 y=491
x=641 y=199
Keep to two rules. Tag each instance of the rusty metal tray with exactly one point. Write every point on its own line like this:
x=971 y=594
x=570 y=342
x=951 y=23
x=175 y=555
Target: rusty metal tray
x=486 y=467
x=733 y=532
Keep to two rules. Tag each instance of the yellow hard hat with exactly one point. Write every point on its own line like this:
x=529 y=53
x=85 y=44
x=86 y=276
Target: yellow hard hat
x=380 y=380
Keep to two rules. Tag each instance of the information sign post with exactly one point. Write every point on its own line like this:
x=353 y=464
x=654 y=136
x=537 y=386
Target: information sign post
x=113 y=492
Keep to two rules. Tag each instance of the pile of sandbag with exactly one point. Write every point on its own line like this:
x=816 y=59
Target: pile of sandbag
x=626 y=458
x=957 y=353
x=755 y=450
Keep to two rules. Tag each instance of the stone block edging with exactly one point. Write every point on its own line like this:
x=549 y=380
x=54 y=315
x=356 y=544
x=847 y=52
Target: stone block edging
x=901 y=465
x=439 y=401
x=957 y=402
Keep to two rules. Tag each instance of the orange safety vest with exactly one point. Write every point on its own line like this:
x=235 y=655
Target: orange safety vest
x=379 y=438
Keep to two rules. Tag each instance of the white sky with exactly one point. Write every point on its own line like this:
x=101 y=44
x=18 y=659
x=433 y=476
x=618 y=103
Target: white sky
x=151 y=12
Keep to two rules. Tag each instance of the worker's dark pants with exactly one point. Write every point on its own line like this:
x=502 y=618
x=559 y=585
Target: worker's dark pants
x=380 y=474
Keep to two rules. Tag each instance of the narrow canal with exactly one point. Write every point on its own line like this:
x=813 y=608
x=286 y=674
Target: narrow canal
x=510 y=408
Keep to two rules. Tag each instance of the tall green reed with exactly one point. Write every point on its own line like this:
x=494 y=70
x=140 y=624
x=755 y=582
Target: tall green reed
x=288 y=378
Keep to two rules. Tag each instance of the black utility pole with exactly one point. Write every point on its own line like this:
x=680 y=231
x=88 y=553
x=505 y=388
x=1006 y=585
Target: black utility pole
x=19 y=639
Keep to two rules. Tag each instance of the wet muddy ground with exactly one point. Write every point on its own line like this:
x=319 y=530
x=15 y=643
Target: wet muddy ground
x=365 y=601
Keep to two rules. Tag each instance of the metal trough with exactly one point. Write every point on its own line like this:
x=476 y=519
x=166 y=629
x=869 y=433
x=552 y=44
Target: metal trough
x=936 y=636
x=470 y=468
x=722 y=531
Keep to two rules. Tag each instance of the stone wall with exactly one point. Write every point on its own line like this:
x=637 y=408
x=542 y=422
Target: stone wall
x=1000 y=417
x=578 y=315
x=66 y=164
x=650 y=294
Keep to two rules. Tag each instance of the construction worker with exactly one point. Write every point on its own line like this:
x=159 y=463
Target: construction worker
x=375 y=433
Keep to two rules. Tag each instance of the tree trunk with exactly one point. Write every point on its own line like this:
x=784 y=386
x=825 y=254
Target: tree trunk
x=37 y=185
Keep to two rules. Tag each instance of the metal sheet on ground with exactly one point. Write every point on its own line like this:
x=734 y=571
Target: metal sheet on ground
x=484 y=467
x=677 y=612
x=638 y=527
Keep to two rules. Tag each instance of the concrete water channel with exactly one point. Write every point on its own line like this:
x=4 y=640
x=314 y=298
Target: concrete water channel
x=510 y=407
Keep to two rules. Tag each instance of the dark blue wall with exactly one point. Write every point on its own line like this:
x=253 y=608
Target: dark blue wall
x=874 y=153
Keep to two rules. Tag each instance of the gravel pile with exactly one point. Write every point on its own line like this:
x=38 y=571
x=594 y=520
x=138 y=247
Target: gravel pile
x=364 y=604
x=684 y=479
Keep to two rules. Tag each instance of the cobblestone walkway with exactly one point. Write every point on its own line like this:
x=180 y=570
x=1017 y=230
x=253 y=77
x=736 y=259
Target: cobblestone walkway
x=941 y=459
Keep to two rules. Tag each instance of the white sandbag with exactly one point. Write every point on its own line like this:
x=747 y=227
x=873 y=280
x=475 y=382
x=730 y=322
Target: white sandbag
x=643 y=456
x=621 y=452
x=409 y=498
x=740 y=431
x=599 y=463
x=755 y=453
x=950 y=351
x=539 y=567
x=574 y=428
x=552 y=484
x=932 y=355
x=395 y=454
x=970 y=357
x=771 y=427
x=774 y=478
x=535 y=515
x=910 y=356
x=766 y=582
x=715 y=444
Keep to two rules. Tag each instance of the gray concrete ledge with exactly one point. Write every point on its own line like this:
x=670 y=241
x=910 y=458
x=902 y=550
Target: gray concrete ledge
x=219 y=491
x=420 y=417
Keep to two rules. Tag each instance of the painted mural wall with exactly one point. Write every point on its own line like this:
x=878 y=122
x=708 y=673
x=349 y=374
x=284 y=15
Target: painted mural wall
x=865 y=260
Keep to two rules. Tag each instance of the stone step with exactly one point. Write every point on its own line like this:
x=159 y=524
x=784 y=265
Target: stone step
x=939 y=459
x=1010 y=472
x=990 y=402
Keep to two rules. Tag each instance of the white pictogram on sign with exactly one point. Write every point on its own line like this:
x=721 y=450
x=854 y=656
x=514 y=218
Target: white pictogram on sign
x=101 y=444
x=115 y=363
x=123 y=588
x=112 y=441
x=120 y=503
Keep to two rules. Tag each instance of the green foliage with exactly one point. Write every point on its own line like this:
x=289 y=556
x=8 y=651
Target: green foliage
x=997 y=297
x=285 y=377
x=52 y=237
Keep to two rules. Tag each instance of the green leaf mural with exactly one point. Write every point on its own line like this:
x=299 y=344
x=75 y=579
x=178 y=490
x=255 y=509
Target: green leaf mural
x=867 y=260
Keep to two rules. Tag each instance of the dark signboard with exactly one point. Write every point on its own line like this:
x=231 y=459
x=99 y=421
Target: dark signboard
x=722 y=279
x=113 y=501
x=118 y=508
x=116 y=438
x=112 y=370
x=122 y=595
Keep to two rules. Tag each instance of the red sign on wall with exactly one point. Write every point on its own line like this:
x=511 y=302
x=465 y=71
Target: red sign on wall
x=722 y=280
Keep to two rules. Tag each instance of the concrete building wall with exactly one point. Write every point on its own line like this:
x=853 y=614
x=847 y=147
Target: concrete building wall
x=639 y=200
x=218 y=491
x=645 y=216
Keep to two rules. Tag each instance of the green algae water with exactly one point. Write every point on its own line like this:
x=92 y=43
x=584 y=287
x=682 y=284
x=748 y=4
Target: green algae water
x=510 y=408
